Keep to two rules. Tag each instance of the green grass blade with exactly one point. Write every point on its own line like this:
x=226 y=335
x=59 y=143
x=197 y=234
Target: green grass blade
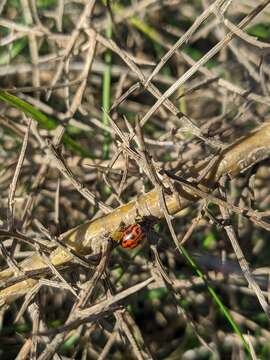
x=216 y=298
x=43 y=120
x=17 y=47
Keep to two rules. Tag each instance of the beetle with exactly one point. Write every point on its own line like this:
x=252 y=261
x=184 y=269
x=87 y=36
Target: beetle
x=130 y=236
x=133 y=235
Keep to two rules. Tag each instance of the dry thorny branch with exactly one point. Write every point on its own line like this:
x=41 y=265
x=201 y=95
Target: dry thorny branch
x=189 y=143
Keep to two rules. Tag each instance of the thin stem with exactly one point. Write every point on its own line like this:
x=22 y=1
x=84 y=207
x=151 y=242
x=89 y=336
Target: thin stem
x=106 y=90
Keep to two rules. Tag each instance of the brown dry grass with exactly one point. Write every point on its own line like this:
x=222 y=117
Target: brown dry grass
x=164 y=147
